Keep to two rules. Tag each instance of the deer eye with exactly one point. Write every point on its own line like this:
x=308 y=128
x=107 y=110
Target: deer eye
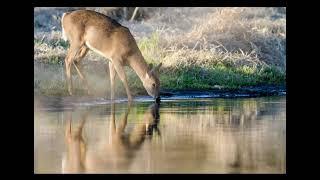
x=153 y=84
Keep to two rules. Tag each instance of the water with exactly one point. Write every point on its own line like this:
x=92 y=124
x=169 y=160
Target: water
x=242 y=135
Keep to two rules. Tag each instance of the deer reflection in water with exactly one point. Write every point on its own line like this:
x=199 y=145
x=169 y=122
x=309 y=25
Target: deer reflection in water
x=117 y=152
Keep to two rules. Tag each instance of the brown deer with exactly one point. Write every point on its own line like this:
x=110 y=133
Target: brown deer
x=116 y=153
x=86 y=30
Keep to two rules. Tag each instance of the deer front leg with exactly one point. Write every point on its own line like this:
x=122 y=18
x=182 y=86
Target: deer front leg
x=82 y=53
x=122 y=75
x=112 y=78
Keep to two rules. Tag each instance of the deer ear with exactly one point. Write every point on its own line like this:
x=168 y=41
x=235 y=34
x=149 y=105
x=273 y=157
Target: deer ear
x=156 y=69
x=150 y=66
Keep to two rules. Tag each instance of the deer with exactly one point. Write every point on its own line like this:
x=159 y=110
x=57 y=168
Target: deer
x=116 y=151
x=89 y=30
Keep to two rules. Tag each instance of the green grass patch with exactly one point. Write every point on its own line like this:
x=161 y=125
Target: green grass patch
x=55 y=60
x=199 y=78
x=52 y=43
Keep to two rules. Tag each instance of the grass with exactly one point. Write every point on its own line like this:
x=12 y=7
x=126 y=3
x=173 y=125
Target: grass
x=220 y=76
x=226 y=48
x=207 y=72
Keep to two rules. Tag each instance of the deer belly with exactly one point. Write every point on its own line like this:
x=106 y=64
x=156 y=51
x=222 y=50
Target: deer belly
x=95 y=50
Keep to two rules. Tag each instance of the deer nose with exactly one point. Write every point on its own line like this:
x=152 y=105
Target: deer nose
x=158 y=99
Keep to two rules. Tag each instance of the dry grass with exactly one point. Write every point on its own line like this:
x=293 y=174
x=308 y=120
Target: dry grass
x=186 y=38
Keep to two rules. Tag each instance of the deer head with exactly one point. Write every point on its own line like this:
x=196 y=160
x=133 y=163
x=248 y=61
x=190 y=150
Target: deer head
x=152 y=83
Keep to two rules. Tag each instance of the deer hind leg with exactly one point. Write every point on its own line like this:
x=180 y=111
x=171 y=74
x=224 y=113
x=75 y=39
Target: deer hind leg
x=73 y=52
x=82 y=53
x=68 y=63
x=112 y=72
x=122 y=75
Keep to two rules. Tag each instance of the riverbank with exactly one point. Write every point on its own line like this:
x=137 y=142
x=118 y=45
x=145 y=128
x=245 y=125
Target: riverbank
x=43 y=102
x=249 y=91
x=49 y=80
x=216 y=49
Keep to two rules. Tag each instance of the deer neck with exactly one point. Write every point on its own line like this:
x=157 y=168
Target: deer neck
x=139 y=65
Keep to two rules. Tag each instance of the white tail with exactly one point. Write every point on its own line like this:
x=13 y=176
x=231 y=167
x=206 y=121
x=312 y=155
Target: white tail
x=64 y=37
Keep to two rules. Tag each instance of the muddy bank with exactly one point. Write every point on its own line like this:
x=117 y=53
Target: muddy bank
x=250 y=91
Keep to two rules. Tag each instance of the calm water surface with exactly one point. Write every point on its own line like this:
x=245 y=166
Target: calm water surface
x=244 y=135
